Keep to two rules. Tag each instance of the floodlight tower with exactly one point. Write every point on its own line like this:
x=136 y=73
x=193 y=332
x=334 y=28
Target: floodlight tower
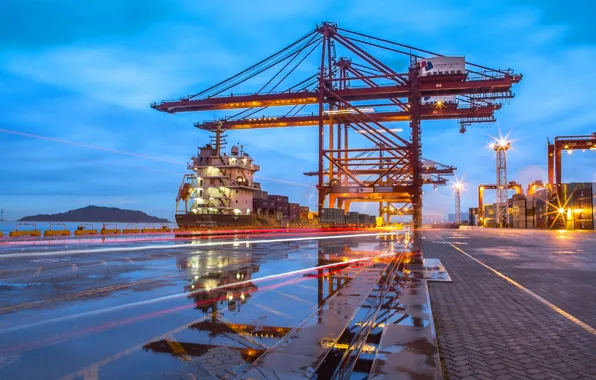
x=457 y=188
x=501 y=147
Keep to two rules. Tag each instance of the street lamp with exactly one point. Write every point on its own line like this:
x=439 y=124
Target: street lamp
x=501 y=146
x=458 y=186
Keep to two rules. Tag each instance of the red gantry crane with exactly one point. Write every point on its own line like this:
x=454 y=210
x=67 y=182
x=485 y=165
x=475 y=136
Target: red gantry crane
x=568 y=143
x=352 y=98
x=510 y=186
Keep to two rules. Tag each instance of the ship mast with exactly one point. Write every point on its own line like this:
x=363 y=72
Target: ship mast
x=218 y=139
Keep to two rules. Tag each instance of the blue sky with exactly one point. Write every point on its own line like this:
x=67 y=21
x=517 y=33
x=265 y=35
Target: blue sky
x=87 y=73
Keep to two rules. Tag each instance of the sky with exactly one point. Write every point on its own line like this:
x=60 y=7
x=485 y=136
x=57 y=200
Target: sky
x=76 y=81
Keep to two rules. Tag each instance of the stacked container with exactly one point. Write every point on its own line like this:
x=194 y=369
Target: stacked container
x=263 y=206
x=473 y=216
x=280 y=204
x=362 y=220
x=518 y=215
x=332 y=216
x=304 y=213
x=294 y=211
x=352 y=218
x=260 y=195
x=540 y=208
x=582 y=208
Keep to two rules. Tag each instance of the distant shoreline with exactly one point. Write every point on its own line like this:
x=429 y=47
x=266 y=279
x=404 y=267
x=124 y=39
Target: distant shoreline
x=96 y=214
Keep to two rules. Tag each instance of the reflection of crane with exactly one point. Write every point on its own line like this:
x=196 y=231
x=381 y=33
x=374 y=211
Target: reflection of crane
x=568 y=143
x=510 y=186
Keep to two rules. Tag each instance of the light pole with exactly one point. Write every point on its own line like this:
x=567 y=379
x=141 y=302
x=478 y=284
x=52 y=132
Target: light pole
x=457 y=188
x=501 y=147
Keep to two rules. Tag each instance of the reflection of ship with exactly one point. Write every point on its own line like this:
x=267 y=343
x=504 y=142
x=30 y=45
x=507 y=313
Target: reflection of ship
x=234 y=344
x=214 y=288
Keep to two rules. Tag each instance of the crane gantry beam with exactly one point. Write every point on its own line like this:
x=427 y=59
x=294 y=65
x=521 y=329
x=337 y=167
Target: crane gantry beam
x=428 y=113
x=437 y=87
x=334 y=98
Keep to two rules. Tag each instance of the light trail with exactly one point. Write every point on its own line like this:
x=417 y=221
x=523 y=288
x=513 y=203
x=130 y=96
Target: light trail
x=118 y=323
x=206 y=244
x=181 y=295
x=166 y=236
x=96 y=147
x=89 y=146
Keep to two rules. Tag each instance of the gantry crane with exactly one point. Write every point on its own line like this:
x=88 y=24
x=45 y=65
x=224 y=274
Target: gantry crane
x=354 y=99
x=568 y=143
x=510 y=186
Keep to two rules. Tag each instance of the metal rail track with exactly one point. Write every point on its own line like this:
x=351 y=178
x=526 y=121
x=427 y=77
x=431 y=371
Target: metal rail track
x=346 y=365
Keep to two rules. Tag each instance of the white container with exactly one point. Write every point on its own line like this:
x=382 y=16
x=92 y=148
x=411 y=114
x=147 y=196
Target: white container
x=442 y=66
x=426 y=100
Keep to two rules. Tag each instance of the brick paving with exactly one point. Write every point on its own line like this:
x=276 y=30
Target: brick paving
x=489 y=329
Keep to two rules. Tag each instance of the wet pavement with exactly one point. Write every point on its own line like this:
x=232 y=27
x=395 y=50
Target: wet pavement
x=522 y=304
x=186 y=308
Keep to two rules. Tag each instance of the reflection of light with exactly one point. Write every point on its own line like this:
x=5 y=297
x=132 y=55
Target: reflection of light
x=344 y=346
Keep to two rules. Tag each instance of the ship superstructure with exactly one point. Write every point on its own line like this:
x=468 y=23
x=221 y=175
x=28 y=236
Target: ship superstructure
x=220 y=189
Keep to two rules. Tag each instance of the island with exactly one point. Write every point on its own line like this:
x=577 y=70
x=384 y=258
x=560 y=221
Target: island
x=96 y=214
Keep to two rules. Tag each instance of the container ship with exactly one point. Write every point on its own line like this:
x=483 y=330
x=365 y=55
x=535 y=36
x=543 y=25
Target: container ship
x=220 y=191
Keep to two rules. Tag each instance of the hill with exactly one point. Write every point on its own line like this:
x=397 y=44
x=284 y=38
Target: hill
x=96 y=214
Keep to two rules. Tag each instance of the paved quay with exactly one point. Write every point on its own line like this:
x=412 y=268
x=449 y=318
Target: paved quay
x=522 y=304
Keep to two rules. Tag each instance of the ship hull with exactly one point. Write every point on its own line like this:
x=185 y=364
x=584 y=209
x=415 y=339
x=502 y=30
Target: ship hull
x=215 y=220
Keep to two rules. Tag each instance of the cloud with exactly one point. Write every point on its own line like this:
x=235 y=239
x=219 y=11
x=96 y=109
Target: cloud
x=126 y=73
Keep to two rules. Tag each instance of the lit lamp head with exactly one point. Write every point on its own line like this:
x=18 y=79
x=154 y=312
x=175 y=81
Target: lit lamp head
x=457 y=186
x=500 y=144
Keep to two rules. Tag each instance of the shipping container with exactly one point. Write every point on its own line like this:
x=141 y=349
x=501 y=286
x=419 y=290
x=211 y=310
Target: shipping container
x=362 y=220
x=352 y=218
x=260 y=195
x=582 y=208
x=294 y=208
x=442 y=66
x=473 y=216
x=444 y=100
